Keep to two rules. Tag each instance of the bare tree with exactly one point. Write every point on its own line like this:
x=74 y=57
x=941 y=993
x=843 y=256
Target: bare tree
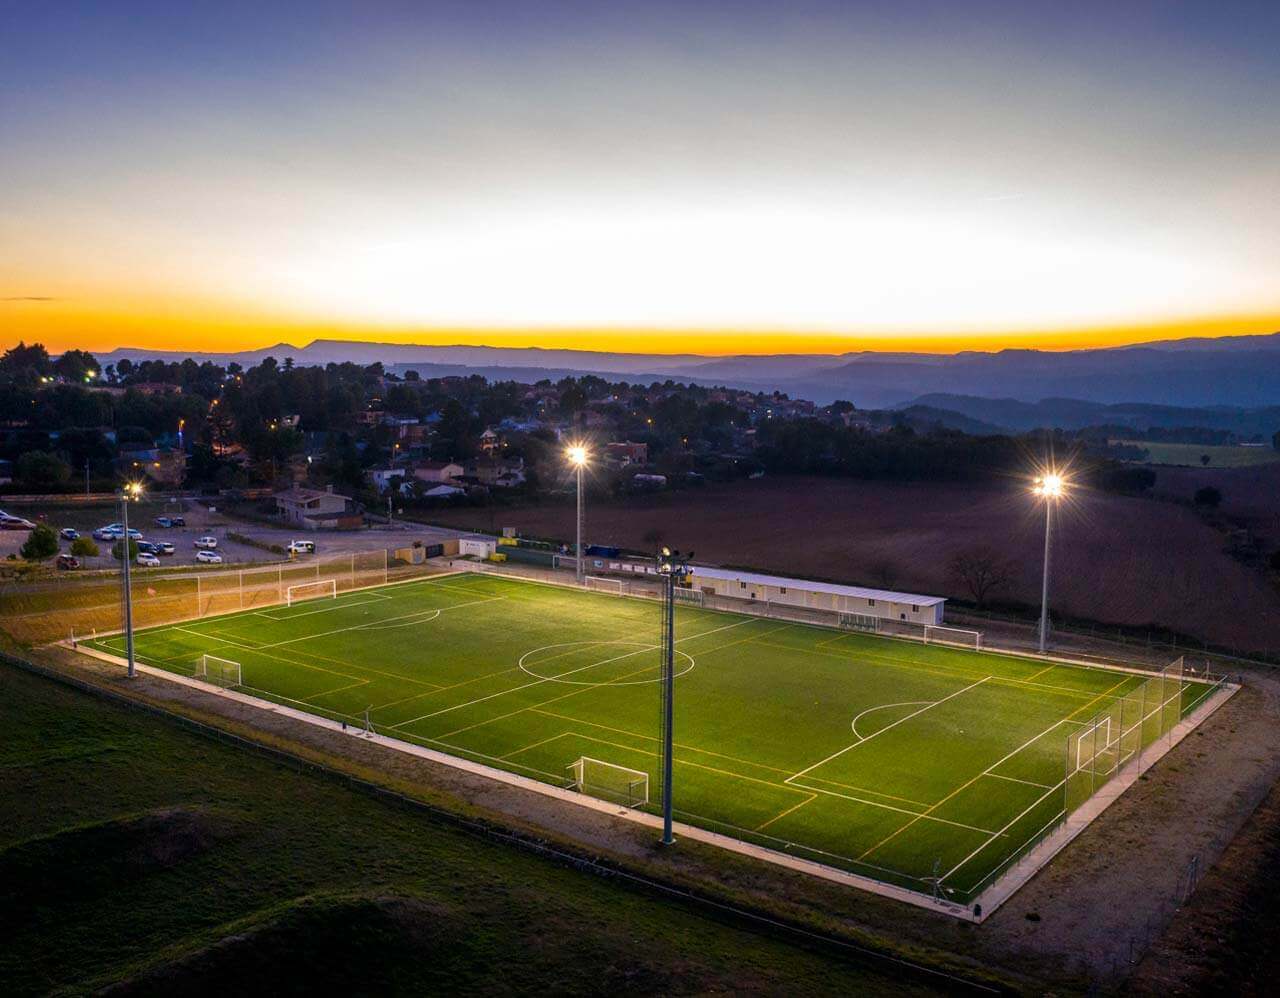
x=981 y=571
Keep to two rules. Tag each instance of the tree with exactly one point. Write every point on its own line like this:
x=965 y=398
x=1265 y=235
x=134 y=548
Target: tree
x=42 y=469
x=41 y=543
x=1208 y=497
x=981 y=571
x=25 y=364
x=84 y=547
x=77 y=366
x=117 y=549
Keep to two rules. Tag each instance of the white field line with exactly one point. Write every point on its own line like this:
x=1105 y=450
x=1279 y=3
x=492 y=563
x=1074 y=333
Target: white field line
x=793 y=807
x=1014 y=779
x=571 y=672
x=339 y=689
x=729 y=758
x=213 y=635
x=383 y=620
x=797 y=788
x=985 y=772
x=583 y=689
x=1012 y=821
x=887 y=727
x=885 y=706
x=907 y=664
x=373 y=597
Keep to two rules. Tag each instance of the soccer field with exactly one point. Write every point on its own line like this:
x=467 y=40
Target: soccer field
x=908 y=763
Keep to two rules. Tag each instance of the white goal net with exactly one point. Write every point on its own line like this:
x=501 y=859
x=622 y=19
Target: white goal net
x=218 y=671
x=686 y=595
x=859 y=622
x=937 y=634
x=319 y=589
x=609 y=781
x=612 y=586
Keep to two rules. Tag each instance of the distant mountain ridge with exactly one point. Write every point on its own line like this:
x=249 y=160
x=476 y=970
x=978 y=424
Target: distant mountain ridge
x=1241 y=371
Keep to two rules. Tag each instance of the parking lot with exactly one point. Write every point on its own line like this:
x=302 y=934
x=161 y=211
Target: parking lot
x=202 y=521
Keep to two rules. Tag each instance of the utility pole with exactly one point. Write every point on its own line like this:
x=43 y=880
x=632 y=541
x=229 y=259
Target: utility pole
x=86 y=478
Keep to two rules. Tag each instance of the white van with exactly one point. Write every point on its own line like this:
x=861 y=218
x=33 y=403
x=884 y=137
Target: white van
x=302 y=547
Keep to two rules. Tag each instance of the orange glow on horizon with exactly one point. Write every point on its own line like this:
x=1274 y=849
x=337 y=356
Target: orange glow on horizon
x=61 y=325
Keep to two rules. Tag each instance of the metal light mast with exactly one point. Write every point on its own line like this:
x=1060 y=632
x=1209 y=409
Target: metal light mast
x=672 y=567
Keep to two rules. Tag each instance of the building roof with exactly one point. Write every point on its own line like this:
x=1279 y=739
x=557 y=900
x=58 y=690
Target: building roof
x=818 y=587
x=300 y=494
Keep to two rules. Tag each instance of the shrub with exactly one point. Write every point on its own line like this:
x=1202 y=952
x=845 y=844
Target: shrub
x=117 y=549
x=84 y=547
x=41 y=543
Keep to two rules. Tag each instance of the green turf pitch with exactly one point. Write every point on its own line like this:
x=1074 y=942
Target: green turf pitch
x=888 y=758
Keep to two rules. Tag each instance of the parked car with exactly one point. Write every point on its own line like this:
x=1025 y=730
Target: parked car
x=67 y=534
x=163 y=521
x=209 y=557
x=208 y=542
x=162 y=547
x=177 y=521
x=8 y=522
x=147 y=560
x=67 y=561
x=147 y=547
x=114 y=531
x=302 y=547
x=105 y=534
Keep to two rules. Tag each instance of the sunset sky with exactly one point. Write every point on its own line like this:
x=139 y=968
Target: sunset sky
x=694 y=177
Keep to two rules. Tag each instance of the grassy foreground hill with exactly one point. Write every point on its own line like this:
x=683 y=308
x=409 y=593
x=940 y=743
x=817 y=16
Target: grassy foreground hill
x=140 y=858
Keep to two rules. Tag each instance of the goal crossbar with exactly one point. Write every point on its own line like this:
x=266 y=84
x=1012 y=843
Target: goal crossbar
x=687 y=595
x=603 y=585
x=943 y=635
x=318 y=589
x=609 y=780
x=218 y=671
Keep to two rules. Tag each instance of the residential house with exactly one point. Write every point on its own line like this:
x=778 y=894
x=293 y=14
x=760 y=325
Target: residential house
x=312 y=509
x=443 y=472
x=623 y=453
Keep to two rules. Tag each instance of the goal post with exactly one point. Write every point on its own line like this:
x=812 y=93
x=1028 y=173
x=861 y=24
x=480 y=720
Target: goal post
x=612 y=586
x=859 y=621
x=218 y=671
x=320 y=589
x=942 y=635
x=684 y=594
x=609 y=781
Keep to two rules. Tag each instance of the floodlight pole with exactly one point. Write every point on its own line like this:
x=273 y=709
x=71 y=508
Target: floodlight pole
x=579 y=534
x=128 y=586
x=672 y=568
x=1044 y=584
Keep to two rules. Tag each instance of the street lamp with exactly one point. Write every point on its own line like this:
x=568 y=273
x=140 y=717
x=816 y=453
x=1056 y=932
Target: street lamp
x=131 y=492
x=1050 y=487
x=577 y=456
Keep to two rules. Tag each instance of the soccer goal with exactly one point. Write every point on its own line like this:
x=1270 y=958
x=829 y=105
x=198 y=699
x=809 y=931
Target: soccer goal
x=319 y=589
x=1093 y=744
x=859 y=622
x=609 y=781
x=218 y=671
x=937 y=634
x=612 y=586
x=686 y=595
